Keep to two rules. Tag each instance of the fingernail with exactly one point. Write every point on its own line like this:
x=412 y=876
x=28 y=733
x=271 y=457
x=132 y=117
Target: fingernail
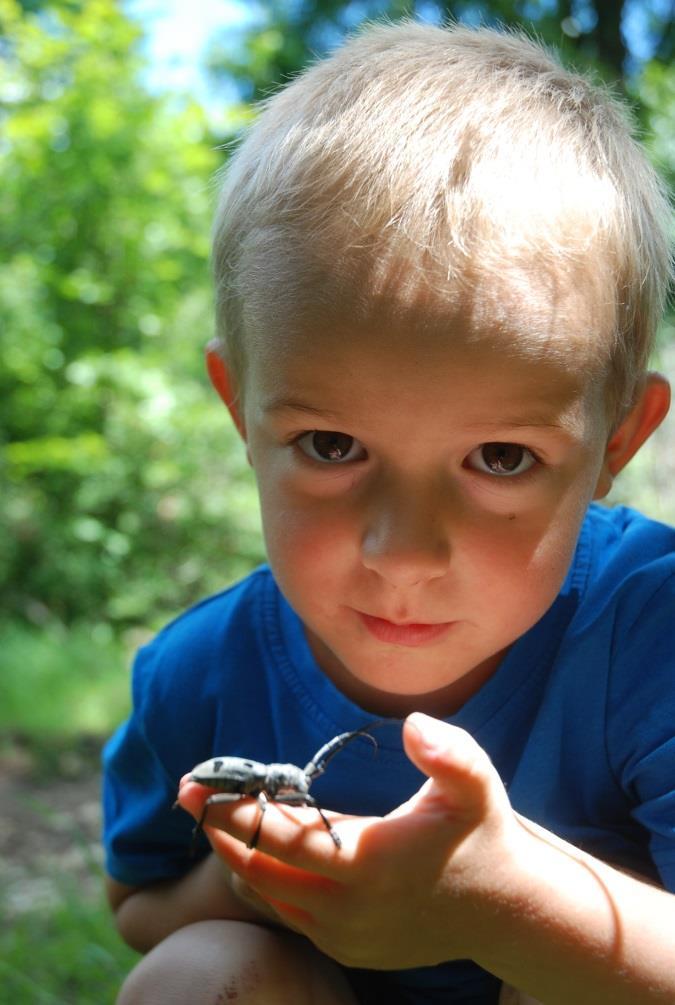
x=432 y=732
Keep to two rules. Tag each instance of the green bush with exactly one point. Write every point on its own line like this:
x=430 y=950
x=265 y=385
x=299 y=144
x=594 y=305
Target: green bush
x=69 y=954
x=59 y=684
x=123 y=490
x=124 y=494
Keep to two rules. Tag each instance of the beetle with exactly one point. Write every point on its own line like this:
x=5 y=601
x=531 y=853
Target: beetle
x=239 y=777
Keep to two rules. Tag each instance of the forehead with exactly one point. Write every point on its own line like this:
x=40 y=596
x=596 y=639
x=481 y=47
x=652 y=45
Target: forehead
x=530 y=315
x=415 y=370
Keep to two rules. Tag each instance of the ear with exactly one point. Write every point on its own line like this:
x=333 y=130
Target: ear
x=222 y=380
x=645 y=416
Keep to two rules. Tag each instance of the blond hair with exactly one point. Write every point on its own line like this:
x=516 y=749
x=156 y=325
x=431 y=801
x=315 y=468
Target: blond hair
x=462 y=152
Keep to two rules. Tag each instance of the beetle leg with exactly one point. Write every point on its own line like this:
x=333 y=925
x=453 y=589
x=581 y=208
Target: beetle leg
x=291 y=799
x=262 y=803
x=217 y=797
x=337 y=841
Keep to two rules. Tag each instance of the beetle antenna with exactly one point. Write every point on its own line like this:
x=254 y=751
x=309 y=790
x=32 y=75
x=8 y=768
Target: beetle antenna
x=317 y=765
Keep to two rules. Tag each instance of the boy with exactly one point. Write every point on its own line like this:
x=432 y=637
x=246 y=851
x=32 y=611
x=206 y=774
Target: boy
x=440 y=260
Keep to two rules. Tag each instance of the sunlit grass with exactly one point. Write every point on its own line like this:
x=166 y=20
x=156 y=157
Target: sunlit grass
x=62 y=692
x=67 y=955
x=59 y=684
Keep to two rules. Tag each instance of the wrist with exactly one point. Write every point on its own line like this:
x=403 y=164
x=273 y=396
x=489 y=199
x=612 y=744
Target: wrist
x=536 y=889
x=569 y=927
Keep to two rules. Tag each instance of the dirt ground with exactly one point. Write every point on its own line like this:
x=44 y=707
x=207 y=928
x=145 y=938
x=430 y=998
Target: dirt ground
x=49 y=834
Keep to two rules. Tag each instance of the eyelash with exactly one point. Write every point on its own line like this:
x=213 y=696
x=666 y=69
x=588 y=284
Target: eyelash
x=329 y=434
x=504 y=476
x=502 y=448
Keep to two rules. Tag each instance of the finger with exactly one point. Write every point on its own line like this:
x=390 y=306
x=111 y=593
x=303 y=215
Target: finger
x=270 y=879
x=293 y=917
x=247 y=895
x=464 y=779
x=295 y=835
x=276 y=911
x=192 y=796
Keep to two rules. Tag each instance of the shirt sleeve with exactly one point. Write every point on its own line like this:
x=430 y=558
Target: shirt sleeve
x=641 y=717
x=145 y=839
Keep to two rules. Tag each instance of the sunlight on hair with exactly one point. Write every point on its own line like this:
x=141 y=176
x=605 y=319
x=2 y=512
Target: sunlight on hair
x=461 y=154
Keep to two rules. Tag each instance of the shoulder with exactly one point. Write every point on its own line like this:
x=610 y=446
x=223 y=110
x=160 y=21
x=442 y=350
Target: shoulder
x=627 y=603
x=629 y=535
x=608 y=714
x=216 y=614
x=630 y=562
x=633 y=593
x=191 y=657
x=621 y=630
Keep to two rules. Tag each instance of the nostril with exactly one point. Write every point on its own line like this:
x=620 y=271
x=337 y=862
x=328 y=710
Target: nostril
x=405 y=538
x=405 y=566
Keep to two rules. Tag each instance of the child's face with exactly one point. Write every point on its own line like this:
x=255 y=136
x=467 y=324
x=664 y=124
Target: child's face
x=421 y=497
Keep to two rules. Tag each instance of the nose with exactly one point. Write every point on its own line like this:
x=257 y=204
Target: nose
x=406 y=540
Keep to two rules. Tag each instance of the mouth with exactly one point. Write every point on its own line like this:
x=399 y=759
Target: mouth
x=409 y=634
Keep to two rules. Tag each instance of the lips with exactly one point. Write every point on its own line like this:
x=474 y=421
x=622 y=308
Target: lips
x=410 y=634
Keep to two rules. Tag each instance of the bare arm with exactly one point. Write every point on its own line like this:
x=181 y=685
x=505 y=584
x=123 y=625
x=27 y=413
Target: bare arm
x=472 y=879
x=571 y=928
x=145 y=915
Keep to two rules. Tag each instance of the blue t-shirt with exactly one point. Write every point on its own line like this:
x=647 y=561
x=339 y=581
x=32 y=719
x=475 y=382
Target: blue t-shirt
x=579 y=718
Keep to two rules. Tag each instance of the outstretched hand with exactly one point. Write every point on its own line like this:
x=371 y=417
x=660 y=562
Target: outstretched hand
x=416 y=887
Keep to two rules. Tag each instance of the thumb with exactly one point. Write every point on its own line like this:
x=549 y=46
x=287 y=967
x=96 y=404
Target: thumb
x=463 y=776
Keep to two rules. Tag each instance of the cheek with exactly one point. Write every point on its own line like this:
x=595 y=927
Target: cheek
x=523 y=558
x=304 y=538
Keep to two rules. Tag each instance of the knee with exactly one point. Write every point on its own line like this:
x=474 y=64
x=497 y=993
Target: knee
x=221 y=961
x=199 y=963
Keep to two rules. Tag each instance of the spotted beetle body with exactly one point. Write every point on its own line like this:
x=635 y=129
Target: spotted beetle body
x=250 y=778
x=236 y=778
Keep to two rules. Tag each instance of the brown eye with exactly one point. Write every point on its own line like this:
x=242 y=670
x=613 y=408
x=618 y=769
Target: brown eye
x=331 y=447
x=501 y=459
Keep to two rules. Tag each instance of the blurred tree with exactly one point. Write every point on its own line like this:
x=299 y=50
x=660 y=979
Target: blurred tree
x=615 y=36
x=123 y=492
x=105 y=300
x=629 y=43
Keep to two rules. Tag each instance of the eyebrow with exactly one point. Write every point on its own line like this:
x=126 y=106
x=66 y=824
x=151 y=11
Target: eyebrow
x=533 y=422
x=293 y=405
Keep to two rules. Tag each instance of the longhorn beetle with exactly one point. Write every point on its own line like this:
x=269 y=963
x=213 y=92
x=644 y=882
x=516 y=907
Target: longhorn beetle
x=238 y=777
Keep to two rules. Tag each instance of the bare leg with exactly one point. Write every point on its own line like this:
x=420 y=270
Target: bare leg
x=218 y=962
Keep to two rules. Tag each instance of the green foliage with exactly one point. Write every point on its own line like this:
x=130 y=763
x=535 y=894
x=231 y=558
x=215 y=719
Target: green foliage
x=69 y=954
x=123 y=489
x=285 y=37
x=124 y=494
x=58 y=684
x=654 y=92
